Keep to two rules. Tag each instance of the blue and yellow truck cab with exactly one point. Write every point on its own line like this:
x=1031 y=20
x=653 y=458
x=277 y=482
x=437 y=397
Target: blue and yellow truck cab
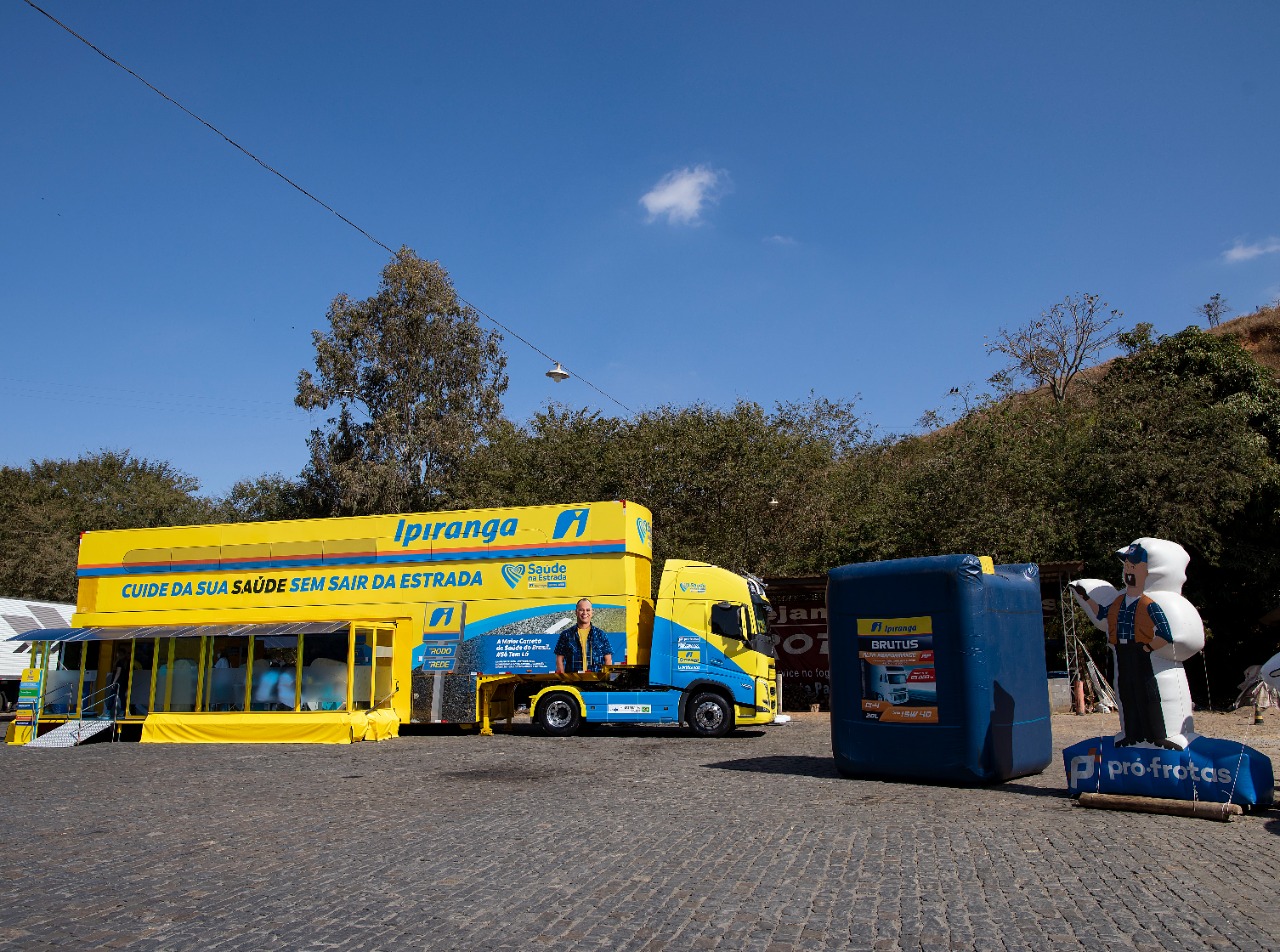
x=705 y=661
x=334 y=630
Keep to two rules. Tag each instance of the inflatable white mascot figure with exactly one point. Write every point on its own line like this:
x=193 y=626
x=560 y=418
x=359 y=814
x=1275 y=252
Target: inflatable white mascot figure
x=1152 y=629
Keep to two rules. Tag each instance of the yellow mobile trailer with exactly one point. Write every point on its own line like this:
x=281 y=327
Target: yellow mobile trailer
x=334 y=630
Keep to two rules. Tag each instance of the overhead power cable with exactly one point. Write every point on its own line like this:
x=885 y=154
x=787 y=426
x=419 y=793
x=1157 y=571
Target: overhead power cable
x=284 y=178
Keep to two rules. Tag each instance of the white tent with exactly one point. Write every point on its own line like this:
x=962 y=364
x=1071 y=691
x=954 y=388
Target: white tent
x=18 y=615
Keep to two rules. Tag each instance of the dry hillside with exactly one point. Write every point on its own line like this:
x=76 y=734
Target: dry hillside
x=1259 y=332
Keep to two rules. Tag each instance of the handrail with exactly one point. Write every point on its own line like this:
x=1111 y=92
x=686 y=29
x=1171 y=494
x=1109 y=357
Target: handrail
x=48 y=695
x=92 y=699
x=87 y=702
x=111 y=691
x=378 y=702
x=40 y=706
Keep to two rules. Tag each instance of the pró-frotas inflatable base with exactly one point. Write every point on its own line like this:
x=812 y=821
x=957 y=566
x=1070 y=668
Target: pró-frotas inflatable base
x=1210 y=770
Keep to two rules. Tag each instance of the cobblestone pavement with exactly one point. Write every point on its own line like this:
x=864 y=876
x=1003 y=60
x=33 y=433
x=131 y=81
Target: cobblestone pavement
x=623 y=840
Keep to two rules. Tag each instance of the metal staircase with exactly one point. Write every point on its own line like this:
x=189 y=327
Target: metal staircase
x=71 y=733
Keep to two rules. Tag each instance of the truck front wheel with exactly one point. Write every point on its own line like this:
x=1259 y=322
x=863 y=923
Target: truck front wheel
x=558 y=715
x=710 y=715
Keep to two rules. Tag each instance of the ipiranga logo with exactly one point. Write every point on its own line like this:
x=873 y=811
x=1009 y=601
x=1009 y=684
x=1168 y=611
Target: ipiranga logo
x=513 y=572
x=698 y=588
x=643 y=529
x=571 y=519
x=408 y=533
x=919 y=625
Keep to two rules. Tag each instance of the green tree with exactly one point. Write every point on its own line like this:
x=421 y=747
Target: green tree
x=708 y=476
x=417 y=383
x=267 y=497
x=561 y=455
x=745 y=488
x=995 y=482
x=1169 y=460
x=1180 y=439
x=1189 y=443
x=49 y=503
x=1185 y=445
x=1135 y=340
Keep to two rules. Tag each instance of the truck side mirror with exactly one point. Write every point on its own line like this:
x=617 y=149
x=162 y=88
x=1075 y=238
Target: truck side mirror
x=726 y=620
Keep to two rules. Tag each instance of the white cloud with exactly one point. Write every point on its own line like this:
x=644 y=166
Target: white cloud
x=1242 y=252
x=681 y=195
x=780 y=240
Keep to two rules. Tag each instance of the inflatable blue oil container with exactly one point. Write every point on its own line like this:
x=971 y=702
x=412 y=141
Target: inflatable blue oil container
x=937 y=670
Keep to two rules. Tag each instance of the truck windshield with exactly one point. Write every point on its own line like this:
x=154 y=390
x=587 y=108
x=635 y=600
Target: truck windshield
x=897 y=679
x=762 y=641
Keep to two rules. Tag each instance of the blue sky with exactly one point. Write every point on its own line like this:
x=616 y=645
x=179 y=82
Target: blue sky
x=682 y=201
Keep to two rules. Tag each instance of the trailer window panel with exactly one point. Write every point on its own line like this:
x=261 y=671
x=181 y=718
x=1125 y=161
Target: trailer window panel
x=114 y=677
x=274 y=673
x=227 y=663
x=177 y=679
x=324 y=671
x=362 y=668
x=383 y=654
x=142 y=676
x=63 y=680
